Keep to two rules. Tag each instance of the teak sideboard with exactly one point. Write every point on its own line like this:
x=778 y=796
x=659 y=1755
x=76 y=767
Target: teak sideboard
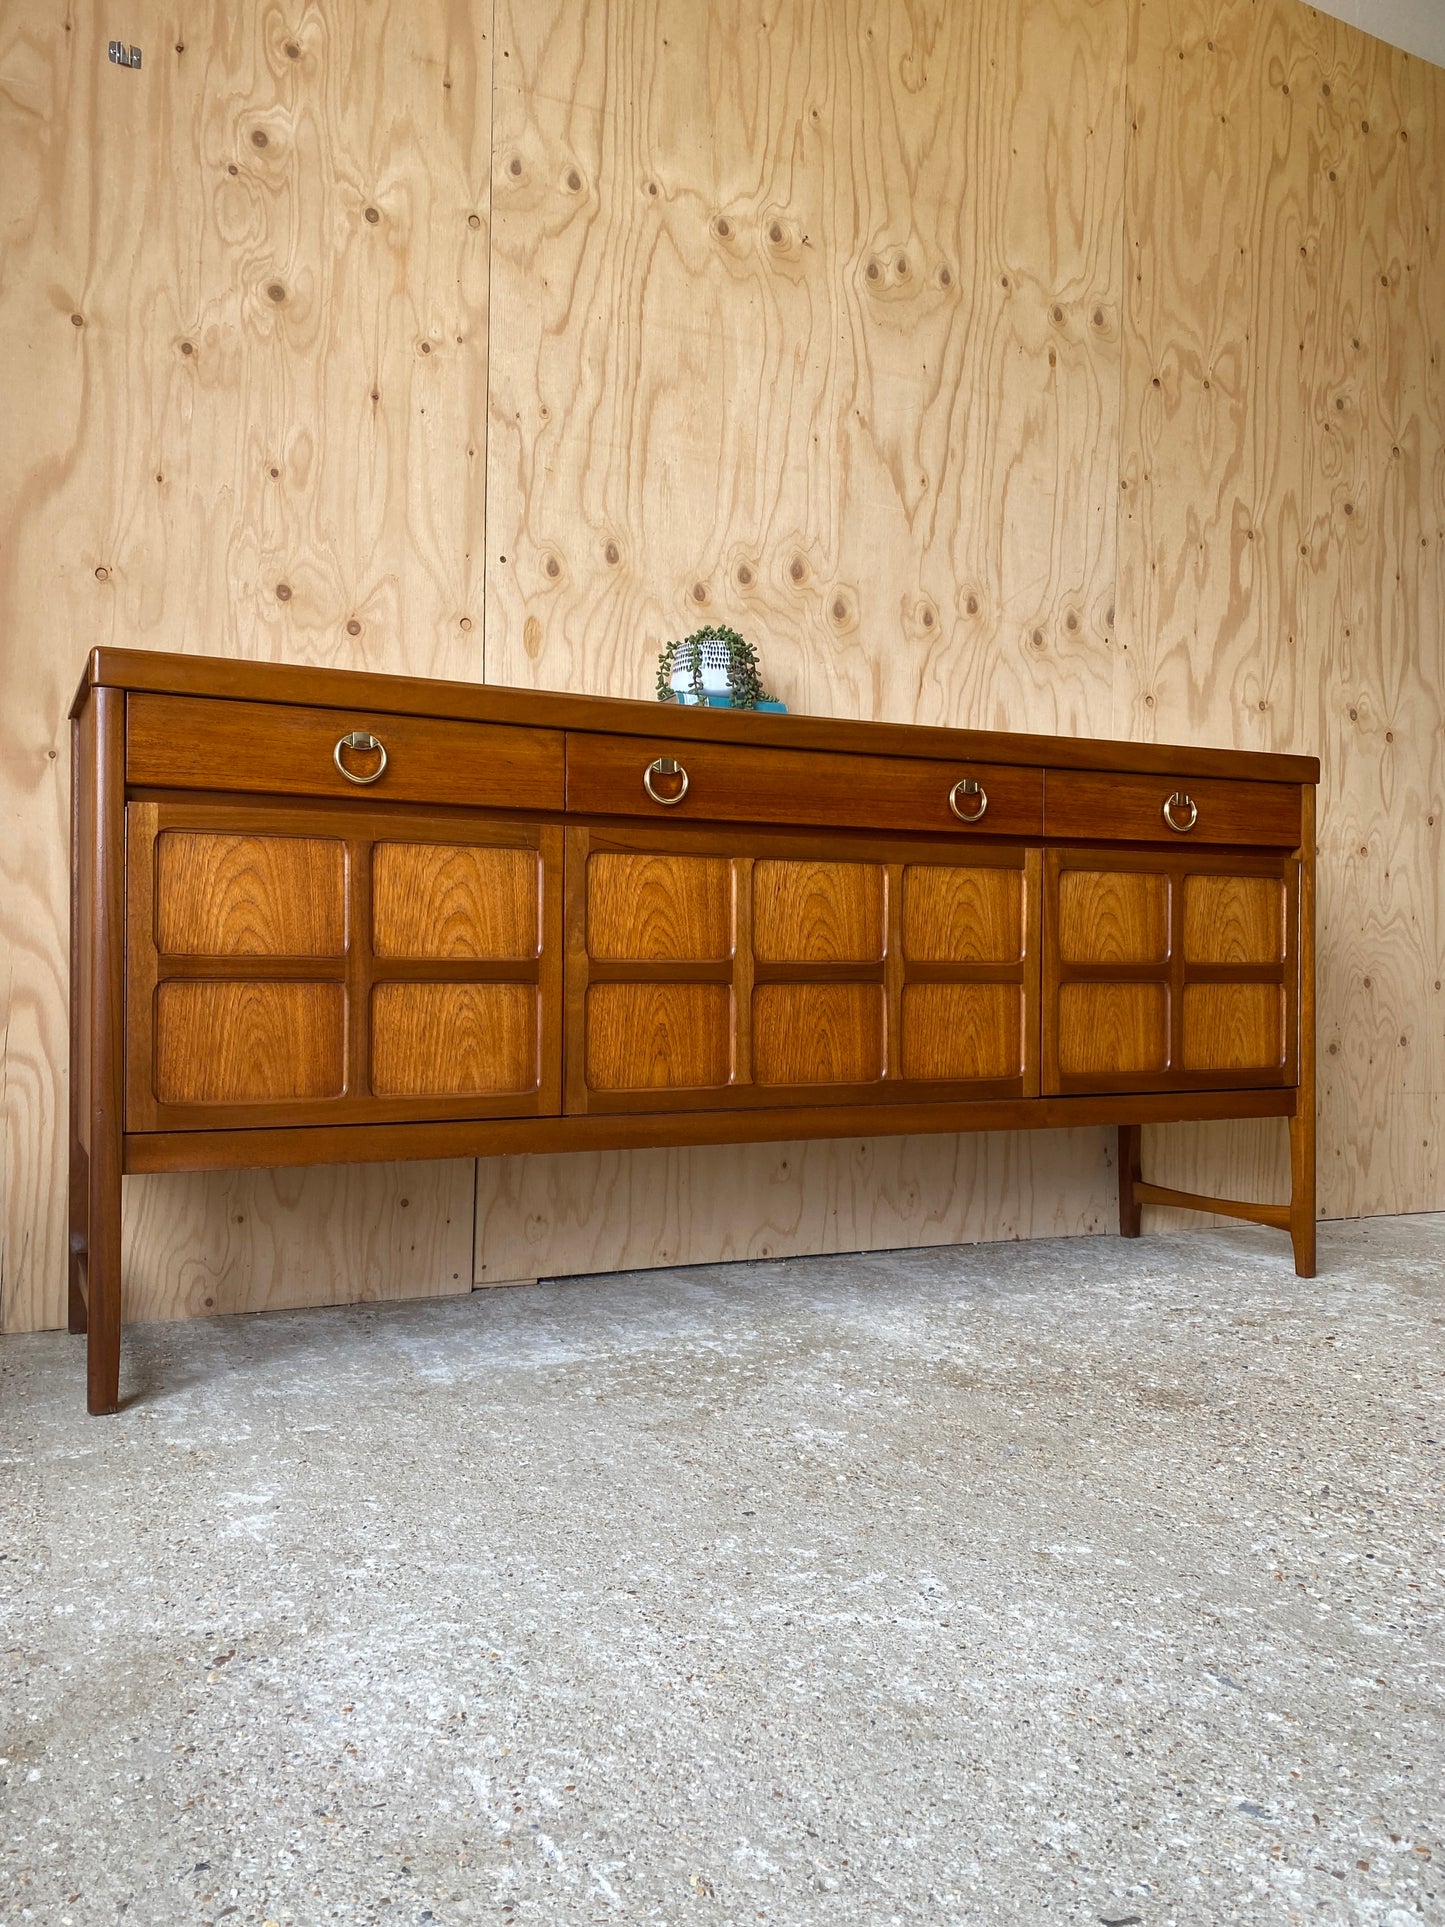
x=320 y=916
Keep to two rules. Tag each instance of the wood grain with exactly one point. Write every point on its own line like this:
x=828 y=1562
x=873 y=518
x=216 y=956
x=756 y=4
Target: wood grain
x=249 y=1043
x=817 y=912
x=962 y=1030
x=1282 y=502
x=453 y=1040
x=249 y=896
x=817 y=1033
x=643 y=1037
x=960 y=915
x=659 y=908
x=1233 y=920
x=1111 y=1030
x=1233 y=1027
x=239 y=415
x=457 y=901
x=234 y=1241
x=1113 y=917
x=1037 y=366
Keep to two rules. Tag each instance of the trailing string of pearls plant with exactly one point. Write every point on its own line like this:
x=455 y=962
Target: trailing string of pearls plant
x=712 y=663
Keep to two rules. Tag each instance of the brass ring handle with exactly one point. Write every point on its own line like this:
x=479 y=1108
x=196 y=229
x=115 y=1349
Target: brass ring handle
x=665 y=766
x=976 y=794
x=1181 y=801
x=359 y=739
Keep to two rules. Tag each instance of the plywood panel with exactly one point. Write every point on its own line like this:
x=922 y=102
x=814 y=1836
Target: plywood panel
x=233 y=1241
x=632 y=1210
x=1282 y=518
x=808 y=320
x=243 y=324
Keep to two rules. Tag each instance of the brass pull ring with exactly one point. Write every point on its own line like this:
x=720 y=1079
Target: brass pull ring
x=975 y=793
x=359 y=739
x=1181 y=801
x=665 y=766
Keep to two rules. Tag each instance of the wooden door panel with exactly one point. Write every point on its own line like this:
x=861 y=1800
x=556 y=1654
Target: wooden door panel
x=453 y=1040
x=658 y=1037
x=722 y=970
x=1113 y=1029
x=958 y=914
x=653 y=908
x=249 y=896
x=1109 y=917
x=963 y=1031
x=451 y=900
x=1234 y=920
x=818 y=1033
x=1175 y=971
x=299 y=964
x=1233 y=1027
x=249 y=1043
x=817 y=912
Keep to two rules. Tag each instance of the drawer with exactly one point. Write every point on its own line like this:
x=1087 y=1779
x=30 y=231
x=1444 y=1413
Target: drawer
x=1088 y=806
x=744 y=784
x=198 y=742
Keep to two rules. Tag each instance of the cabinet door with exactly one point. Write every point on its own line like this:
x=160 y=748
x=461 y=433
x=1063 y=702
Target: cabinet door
x=764 y=970
x=308 y=965
x=1169 y=972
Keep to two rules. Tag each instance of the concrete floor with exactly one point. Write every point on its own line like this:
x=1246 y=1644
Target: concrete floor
x=1056 y=1582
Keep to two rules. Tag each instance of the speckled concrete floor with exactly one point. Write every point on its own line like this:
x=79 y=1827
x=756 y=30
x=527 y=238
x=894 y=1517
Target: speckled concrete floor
x=1056 y=1582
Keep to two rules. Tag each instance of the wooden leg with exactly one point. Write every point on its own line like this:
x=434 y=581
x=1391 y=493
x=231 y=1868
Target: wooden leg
x=102 y=1278
x=1131 y=1152
x=1302 y=1186
x=79 y=1233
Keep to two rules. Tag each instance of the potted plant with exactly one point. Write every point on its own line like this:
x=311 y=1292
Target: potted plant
x=713 y=666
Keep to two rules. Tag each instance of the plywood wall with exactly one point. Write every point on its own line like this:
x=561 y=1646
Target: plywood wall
x=243 y=334
x=1050 y=364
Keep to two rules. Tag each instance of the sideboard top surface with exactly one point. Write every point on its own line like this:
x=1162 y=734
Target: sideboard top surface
x=349 y=689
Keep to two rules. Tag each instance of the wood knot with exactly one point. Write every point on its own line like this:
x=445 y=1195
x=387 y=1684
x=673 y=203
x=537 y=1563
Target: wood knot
x=276 y=292
x=77 y=321
x=259 y=137
x=283 y=591
x=373 y=215
x=353 y=628
x=612 y=552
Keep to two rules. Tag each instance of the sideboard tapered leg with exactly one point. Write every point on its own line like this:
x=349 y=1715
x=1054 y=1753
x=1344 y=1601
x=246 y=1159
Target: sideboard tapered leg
x=1302 y=1188
x=1302 y=1124
x=1131 y=1171
x=102 y=1345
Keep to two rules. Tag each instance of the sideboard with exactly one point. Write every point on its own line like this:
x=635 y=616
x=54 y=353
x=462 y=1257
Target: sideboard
x=320 y=916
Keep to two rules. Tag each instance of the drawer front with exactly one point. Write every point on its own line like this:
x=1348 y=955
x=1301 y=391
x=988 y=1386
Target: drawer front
x=1088 y=805
x=742 y=784
x=197 y=742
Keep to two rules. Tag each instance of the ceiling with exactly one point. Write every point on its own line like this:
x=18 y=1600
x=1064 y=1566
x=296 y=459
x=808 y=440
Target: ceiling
x=1416 y=25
